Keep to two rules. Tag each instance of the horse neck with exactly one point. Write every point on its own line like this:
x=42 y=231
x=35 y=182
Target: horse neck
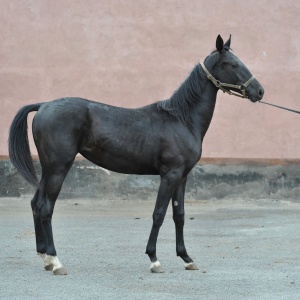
x=193 y=102
x=202 y=112
x=201 y=95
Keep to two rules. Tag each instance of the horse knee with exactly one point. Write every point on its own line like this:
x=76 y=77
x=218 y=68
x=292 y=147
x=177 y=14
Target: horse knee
x=158 y=219
x=44 y=213
x=151 y=251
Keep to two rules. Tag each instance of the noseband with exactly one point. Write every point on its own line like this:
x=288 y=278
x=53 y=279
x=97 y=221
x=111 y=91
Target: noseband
x=221 y=85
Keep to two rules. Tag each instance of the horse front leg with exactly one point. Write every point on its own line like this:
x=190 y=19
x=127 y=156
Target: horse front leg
x=168 y=185
x=178 y=217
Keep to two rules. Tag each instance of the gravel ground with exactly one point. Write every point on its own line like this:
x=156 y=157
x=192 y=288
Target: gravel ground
x=244 y=250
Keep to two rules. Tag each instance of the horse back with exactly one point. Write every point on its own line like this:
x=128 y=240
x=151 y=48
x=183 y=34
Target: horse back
x=124 y=140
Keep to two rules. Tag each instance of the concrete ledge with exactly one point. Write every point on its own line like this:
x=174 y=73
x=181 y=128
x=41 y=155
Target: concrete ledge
x=211 y=179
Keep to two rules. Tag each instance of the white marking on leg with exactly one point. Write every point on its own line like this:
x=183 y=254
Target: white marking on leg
x=53 y=261
x=188 y=264
x=42 y=255
x=155 y=265
x=175 y=203
x=47 y=261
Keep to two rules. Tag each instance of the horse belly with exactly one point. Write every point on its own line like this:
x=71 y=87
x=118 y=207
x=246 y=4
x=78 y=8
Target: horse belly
x=129 y=164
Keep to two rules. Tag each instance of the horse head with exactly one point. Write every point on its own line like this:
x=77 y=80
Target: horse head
x=229 y=74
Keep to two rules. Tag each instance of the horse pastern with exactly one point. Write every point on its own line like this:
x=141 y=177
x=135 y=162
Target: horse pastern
x=156 y=267
x=48 y=267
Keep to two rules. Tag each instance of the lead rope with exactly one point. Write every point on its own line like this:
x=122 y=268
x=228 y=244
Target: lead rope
x=281 y=107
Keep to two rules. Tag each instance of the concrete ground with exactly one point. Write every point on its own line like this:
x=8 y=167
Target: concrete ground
x=244 y=250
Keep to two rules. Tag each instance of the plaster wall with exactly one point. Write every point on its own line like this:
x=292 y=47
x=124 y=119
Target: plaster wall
x=132 y=53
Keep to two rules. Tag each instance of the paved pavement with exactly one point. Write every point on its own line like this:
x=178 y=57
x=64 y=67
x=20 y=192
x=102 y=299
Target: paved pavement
x=244 y=250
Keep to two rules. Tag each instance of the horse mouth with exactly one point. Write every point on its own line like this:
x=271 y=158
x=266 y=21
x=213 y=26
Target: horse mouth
x=257 y=96
x=252 y=98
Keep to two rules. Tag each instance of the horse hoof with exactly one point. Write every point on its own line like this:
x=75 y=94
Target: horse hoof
x=60 y=271
x=156 y=267
x=191 y=266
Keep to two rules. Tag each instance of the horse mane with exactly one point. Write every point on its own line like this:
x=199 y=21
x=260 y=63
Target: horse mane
x=184 y=97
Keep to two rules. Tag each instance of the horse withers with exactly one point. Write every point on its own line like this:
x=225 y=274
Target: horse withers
x=164 y=138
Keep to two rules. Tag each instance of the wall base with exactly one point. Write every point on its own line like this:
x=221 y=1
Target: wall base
x=211 y=179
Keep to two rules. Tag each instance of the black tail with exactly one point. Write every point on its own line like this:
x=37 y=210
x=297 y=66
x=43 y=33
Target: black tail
x=18 y=145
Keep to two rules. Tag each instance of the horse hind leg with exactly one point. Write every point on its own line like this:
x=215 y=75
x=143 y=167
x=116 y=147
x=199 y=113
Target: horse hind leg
x=42 y=207
x=40 y=234
x=41 y=242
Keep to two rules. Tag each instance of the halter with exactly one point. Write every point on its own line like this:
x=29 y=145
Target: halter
x=242 y=88
x=221 y=85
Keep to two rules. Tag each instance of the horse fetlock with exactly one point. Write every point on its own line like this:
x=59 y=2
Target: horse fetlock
x=152 y=254
x=181 y=252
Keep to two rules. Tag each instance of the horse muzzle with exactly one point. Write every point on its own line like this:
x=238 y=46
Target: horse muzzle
x=254 y=92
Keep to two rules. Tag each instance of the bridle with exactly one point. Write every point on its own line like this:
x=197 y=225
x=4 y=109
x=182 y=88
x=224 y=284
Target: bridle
x=224 y=86
x=242 y=88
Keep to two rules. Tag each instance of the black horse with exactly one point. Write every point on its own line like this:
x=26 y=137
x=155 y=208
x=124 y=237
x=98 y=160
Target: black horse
x=163 y=138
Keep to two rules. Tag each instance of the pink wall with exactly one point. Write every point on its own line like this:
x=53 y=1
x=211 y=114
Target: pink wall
x=131 y=53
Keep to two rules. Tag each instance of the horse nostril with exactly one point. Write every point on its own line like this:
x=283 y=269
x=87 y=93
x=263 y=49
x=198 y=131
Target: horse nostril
x=261 y=92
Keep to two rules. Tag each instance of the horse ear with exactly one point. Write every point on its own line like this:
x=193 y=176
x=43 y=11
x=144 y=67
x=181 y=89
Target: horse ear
x=219 y=44
x=227 y=44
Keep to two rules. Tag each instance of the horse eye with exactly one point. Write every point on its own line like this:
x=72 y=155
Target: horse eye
x=235 y=65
